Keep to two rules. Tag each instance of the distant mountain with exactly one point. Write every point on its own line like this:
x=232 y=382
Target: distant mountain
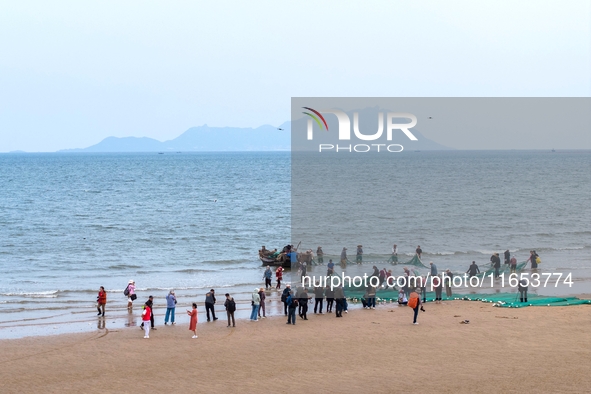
x=202 y=139
x=220 y=139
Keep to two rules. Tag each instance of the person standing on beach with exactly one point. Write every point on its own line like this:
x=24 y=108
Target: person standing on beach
x=359 y=255
x=279 y=276
x=256 y=303
x=230 y=305
x=344 y=258
x=101 y=301
x=146 y=315
x=473 y=269
x=414 y=301
x=131 y=296
x=170 y=307
x=371 y=297
x=329 y=268
x=262 y=296
x=419 y=251
x=304 y=268
x=267 y=277
x=292 y=304
x=438 y=286
x=448 y=282
x=329 y=298
x=383 y=274
x=193 y=322
x=302 y=296
x=513 y=264
x=423 y=286
x=339 y=296
x=406 y=283
x=388 y=275
x=284 y=297
x=318 y=298
x=150 y=303
x=522 y=287
x=433 y=269
x=151 y=300
x=507 y=257
x=320 y=255
x=209 y=303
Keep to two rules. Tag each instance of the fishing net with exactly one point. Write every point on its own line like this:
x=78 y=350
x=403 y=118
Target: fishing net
x=375 y=259
x=505 y=268
x=503 y=300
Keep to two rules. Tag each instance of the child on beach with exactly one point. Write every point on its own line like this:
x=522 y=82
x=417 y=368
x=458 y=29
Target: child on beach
x=193 y=322
x=101 y=301
x=146 y=314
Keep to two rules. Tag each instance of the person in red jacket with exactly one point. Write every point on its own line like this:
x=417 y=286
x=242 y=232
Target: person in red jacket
x=279 y=276
x=146 y=314
x=101 y=301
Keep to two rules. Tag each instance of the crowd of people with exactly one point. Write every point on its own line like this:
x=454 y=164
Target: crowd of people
x=409 y=294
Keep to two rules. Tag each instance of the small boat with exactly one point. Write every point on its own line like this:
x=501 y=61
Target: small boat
x=273 y=262
x=275 y=258
x=553 y=151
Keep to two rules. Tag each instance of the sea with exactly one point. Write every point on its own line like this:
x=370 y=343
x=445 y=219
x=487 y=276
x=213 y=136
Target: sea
x=72 y=222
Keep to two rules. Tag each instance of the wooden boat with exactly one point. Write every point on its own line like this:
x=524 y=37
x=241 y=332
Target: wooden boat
x=275 y=262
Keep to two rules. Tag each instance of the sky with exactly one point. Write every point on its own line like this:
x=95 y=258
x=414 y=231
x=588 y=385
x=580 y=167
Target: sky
x=73 y=73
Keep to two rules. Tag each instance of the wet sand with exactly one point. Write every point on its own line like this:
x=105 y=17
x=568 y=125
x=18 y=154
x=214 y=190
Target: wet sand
x=534 y=349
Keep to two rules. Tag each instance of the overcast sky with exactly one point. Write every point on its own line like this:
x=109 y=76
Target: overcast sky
x=73 y=73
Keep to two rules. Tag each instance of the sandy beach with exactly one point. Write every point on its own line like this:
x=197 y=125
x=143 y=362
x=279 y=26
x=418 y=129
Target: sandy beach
x=535 y=349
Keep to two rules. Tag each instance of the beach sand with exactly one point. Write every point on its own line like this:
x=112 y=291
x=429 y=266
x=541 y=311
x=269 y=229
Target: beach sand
x=534 y=349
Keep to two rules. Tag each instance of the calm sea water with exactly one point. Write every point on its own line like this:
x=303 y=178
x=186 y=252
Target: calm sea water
x=70 y=223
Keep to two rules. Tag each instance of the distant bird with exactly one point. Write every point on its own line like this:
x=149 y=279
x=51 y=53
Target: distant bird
x=430 y=117
x=279 y=128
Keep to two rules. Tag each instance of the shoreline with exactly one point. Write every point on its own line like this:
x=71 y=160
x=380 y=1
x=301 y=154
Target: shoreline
x=119 y=319
x=377 y=350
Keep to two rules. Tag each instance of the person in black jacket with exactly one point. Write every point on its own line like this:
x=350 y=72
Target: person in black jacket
x=532 y=258
x=507 y=257
x=318 y=298
x=522 y=287
x=329 y=298
x=284 y=296
x=230 y=305
x=496 y=263
x=209 y=303
x=292 y=303
x=339 y=296
x=473 y=269
x=303 y=302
